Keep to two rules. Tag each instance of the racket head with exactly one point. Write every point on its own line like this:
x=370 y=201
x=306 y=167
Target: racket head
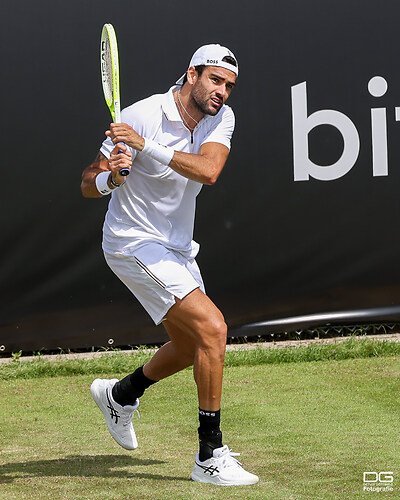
x=110 y=70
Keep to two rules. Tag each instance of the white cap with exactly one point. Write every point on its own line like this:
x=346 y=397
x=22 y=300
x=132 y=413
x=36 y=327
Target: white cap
x=211 y=55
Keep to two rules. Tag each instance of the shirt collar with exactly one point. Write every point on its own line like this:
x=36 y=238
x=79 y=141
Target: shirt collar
x=169 y=106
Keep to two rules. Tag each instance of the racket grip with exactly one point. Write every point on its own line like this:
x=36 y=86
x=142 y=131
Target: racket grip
x=124 y=171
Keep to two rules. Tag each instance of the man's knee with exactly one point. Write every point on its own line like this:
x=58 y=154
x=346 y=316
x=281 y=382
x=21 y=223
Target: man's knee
x=213 y=335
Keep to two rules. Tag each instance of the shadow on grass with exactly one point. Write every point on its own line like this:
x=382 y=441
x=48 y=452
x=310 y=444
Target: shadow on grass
x=105 y=466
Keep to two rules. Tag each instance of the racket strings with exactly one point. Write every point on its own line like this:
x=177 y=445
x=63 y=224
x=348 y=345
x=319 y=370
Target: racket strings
x=107 y=70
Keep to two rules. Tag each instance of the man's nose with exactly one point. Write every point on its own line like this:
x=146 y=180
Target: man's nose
x=221 y=91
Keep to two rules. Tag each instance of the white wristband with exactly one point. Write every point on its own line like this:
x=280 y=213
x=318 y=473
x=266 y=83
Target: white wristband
x=101 y=183
x=163 y=154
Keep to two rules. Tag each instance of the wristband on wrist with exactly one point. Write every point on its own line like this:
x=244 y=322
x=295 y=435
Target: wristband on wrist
x=114 y=183
x=163 y=154
x=102 y=184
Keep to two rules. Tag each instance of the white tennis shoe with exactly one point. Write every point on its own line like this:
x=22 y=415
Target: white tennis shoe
x=223 y=469
x=118 y=418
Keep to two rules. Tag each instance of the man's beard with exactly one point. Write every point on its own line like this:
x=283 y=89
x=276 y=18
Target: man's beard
x=200 y=100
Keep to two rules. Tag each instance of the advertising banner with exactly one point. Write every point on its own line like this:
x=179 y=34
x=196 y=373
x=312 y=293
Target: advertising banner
x=302 y=226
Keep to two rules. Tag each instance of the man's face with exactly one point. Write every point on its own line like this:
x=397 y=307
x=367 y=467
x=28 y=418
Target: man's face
x=211 y=90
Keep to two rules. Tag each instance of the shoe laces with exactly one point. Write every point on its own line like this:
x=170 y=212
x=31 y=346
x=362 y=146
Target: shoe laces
x=228 y=458
x=127 y=416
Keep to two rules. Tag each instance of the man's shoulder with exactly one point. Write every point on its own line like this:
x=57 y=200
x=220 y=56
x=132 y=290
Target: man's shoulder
x=225 y=116
x=227 y=111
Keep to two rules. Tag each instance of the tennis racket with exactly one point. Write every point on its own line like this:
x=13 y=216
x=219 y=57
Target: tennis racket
x=110 y=75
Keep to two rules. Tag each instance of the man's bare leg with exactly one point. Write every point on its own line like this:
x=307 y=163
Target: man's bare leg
x=198 y=335
x=172 y=357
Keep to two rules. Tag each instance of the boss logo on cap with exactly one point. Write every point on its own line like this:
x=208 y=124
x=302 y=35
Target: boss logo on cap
x=212 y=61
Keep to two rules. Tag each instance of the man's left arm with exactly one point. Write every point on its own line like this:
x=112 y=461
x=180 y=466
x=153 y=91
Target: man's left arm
x=204 y=167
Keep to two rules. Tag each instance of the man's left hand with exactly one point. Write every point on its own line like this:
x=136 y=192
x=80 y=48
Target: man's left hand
x=121 y=132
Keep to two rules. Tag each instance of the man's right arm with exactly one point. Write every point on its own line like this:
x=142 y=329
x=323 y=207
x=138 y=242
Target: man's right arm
x=88 y=184
x=113 y=165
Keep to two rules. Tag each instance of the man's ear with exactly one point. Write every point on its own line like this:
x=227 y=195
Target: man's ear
x=192 y=75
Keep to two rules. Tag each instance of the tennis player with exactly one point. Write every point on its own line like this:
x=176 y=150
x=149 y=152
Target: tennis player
x=174 y=143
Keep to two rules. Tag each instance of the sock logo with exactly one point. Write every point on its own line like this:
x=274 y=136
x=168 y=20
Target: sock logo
x=206 y=413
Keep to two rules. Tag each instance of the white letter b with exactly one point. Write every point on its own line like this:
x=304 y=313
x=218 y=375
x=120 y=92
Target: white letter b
x=302 y=126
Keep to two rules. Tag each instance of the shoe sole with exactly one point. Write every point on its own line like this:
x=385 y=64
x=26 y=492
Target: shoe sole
x=217 y=480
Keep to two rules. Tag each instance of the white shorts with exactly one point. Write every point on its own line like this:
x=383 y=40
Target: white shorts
x=156 y=275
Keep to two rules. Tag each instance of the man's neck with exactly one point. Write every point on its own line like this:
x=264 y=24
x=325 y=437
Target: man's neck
x=188 y=111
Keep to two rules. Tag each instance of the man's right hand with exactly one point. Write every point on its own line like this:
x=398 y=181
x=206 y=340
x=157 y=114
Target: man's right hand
x=120 y=158
x=101 y=164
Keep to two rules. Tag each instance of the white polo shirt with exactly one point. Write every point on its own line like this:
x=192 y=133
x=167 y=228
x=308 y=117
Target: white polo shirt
x=156 y=203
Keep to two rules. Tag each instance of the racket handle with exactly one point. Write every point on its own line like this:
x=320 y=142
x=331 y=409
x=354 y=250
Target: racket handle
x=124 y=171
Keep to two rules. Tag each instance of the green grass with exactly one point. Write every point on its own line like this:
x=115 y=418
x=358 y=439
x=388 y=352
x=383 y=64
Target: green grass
x=308 y=429
x=119 y=363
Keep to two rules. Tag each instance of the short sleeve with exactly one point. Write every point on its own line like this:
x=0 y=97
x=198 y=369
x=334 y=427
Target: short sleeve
x=222 y=129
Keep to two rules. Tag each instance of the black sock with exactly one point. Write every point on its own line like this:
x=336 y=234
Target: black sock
x=126 y=391
x=210 y=435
